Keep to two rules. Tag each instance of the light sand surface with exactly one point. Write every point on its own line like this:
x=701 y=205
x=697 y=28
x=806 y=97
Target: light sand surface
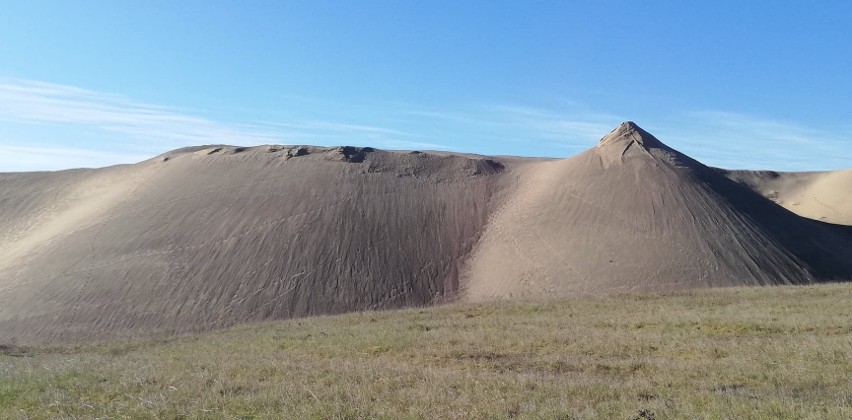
x=634 y=215
x=207 y=237
x=825 y=196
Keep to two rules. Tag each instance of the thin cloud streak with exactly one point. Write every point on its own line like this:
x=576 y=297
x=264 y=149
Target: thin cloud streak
x=17 y=158
x=150 y=129
x=518 y=130
x=742 y=141
x=42 y=103
x=138 y=130
x=717 y=138
x=575 y=127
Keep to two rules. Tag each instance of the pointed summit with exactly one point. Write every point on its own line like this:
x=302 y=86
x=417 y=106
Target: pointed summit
x=634 y=214
x=629 y=133
x=630 y=142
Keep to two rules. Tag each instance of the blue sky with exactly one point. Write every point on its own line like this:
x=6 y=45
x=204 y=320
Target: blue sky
x=758 y=84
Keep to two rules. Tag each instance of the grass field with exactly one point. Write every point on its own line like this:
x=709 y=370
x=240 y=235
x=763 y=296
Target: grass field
x=780 y=352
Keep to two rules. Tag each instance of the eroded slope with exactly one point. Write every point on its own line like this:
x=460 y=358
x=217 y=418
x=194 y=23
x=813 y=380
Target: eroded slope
x=208 y=237
x=633 y=214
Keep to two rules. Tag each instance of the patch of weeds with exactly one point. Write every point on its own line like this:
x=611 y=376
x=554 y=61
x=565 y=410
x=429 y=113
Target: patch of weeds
x=421 y=327
x=561 y=367
x=718 y=354
x=8 y=395
x=379 y=349
x=645 y=414
x=622 y=369
x=731 y=389
x=487 y=356
x=12 y=350
x=734 y=329
x=647 y=396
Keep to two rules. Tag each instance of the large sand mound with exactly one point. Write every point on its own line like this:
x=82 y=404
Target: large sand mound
x=633 y=214
x=207 y=237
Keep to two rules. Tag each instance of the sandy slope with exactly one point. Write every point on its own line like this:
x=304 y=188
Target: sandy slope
x=825 y=196
x=633 y=214
x=207 y=237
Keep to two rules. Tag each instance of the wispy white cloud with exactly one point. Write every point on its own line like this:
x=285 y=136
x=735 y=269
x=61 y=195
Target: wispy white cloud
x=349 y=128
x=724 y=139
x=574 y=126
x=517 y=129
x=18 y=158
x=743 y=141
x=140 y=129
x=23 y=101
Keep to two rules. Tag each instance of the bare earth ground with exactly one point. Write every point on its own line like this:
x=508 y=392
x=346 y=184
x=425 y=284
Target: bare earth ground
x=756 y=353
x=209 y=237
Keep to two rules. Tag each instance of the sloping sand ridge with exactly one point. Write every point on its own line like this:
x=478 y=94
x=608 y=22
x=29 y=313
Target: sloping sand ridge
x=633 y=214
x=825 y=196
x=207 y=237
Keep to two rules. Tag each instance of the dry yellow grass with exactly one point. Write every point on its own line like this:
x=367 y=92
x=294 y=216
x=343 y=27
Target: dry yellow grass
x=779 y=352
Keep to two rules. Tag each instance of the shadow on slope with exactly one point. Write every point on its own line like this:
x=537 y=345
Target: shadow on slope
x=634 y=214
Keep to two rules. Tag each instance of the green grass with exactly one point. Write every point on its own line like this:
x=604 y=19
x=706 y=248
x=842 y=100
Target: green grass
x=781 y=352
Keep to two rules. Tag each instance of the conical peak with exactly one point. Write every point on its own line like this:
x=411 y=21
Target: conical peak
x=627 y=125
x=628 y=133
x=629 y=141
